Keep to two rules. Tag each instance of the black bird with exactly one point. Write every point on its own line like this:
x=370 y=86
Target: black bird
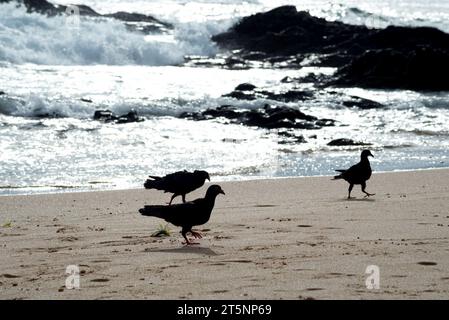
x=187 y=215
x=358 y=174
x=179 y=183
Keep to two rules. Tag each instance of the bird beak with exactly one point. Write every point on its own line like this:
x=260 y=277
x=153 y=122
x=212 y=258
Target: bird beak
x=222 y=192
x=208 y=178
x=371 y=154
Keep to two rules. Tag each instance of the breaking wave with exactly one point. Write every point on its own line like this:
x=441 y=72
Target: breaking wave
x=38 y=39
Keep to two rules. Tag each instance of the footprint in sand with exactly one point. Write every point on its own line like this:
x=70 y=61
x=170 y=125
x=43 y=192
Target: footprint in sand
x=65 y=229
x=222 y=237
x=314 y=289
x=217 y=264
x=427 y=263
x=69 y=239
x=100 y=280
x=220 y=291
x=9 y=276
x=94 y=228
x=265 y=206
x=101 y=261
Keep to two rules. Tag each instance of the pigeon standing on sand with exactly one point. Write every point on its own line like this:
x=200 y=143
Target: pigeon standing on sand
x=358 y=174
x=179 y=183
x=187 y=215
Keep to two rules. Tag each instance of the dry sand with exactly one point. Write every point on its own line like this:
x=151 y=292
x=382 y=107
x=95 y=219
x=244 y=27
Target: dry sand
x=268 y=239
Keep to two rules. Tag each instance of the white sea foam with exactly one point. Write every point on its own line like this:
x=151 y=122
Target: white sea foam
x=38 y=39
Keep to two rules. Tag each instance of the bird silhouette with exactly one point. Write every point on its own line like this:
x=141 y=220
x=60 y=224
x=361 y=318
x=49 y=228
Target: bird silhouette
x=186 y=215
x=358 y=173
x=179 y=183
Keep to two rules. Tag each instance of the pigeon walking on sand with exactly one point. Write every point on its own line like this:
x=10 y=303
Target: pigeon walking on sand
x=358 y=173
x=187 y=215
x=179 y=183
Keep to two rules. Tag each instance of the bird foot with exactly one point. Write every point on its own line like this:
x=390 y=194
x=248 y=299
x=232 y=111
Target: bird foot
x=196 y=235
x=369 y=195
x=349 y=198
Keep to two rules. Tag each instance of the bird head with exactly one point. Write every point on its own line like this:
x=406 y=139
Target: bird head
x=214 y=190
x=366 y=154
x=202 y=174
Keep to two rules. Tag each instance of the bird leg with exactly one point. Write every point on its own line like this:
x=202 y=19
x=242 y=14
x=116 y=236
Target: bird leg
x=367 y=194
x=173 y=196
x=349 y=190
x=184 y=234
x=184 y=198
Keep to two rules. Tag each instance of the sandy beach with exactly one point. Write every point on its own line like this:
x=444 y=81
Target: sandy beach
x=293 y=238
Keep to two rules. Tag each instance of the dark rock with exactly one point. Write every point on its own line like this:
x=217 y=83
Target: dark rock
x=109 y=116
x=131 y=17
x=2 y=93
x=424 y=68
x=325 y=122
x=291 y=137
x=236 y=63
x=240 y=95
x=362 y=103
x=41 y=6
x=334 y=60
x=268 y=117
x=245 y=87
x=285 y=31
x=414 y=58
x=197 y=116
x=347 y=142
x=140 y=22
x=257 y=56
x=307 y=125
x=227 y=112
x=314 y=78
x=86 y=100
x=288 y=96
x=104 y=115
x=279 y=113
x=129 y=117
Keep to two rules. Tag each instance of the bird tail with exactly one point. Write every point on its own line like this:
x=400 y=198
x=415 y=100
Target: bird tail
x=152 y=184
x=340 y=176
x=153 y=211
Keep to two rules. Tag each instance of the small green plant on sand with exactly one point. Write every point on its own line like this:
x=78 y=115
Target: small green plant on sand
x=7 y=225
x=162 y=231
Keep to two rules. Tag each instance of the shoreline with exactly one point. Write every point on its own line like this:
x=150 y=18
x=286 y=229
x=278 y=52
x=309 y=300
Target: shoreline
x=267 y=239
x=71 y=189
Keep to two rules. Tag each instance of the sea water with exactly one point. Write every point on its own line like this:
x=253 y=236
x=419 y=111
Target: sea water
x=55 y=76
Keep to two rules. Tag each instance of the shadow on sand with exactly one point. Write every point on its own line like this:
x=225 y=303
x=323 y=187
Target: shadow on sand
x=358 y=199
x=188 y=249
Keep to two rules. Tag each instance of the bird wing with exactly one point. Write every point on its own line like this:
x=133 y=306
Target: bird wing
x=352 y=170
x=177 y=214
x=172 y=182
x=358 y=173
x=341 y=170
